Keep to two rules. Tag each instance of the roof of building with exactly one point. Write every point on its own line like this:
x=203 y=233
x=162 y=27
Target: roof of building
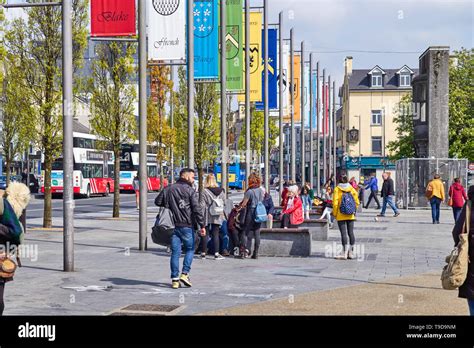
x=360 y=79
x=79 y=127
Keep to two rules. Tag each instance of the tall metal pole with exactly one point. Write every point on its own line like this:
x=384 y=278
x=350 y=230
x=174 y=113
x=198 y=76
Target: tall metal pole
x=68 y=195
x=334 y=129
x=318 y=126
x=247 y=89
x=311 y=123
x=172 y=123
x=142 y=124
x=266 y=125
x=330 y=172
x=280 y=97
x=224 y=160
x=292 y=108
x=303 y=139
x=324 y=126
x=190 y=61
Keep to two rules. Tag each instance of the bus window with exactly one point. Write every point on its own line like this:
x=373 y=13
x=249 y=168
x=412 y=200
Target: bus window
x=152 y=171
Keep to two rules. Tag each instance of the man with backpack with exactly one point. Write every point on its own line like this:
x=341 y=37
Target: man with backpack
x=183 y=201
x=12 y=204
x=345 y=203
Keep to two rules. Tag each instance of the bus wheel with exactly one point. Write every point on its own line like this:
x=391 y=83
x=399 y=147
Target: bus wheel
x=88 y=194
x=107 y=191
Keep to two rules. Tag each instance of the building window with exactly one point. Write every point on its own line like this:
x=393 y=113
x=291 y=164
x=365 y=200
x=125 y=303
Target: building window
x=405 y=80
x=376 y=117
x=376 y=80
x=376 y=145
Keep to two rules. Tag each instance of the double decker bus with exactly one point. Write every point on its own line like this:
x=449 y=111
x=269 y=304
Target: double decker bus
x=93 y=169
x=129 y=165
x=236 y=172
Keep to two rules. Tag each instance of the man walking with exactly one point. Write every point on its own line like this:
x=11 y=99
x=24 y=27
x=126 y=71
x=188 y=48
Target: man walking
x=435 y=194
x=374 y=189
x=183 y=201
x=387 y=194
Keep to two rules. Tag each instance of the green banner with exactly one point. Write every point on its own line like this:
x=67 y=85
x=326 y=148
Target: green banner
x=234 y=45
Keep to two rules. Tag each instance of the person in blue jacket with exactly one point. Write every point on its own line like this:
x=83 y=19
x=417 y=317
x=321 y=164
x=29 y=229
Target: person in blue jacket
x=374 y=189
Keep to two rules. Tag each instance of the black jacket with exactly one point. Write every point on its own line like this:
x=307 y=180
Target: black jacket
x=387 y=188
x=467 y=289
x=183 y=201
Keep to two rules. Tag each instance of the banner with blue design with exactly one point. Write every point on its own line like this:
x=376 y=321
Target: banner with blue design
x=272 y=71
x=206 y=39
x=315 y=101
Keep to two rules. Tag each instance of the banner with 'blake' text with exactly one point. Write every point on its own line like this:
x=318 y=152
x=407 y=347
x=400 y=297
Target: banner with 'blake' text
x=113 y=18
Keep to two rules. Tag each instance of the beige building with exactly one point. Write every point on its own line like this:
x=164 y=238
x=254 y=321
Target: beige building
x=370 y=102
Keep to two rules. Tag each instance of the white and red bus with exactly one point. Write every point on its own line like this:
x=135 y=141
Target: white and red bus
x=129 y=162
x=93 y=169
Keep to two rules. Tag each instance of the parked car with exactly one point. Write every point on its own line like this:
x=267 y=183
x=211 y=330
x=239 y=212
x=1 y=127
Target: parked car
x=3 y=180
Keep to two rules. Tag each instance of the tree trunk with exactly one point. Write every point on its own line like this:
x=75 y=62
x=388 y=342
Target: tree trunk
x=47 y=214
x=116 y=212
x=8 y=169
x=200 y=178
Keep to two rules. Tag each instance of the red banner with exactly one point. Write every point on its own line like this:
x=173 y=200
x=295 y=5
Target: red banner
x=113 y=18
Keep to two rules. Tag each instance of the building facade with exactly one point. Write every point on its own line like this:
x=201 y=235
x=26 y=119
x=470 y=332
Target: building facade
x=370 y=102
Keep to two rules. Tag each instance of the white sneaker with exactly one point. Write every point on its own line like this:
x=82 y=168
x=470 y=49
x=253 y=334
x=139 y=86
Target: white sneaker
x=218 y=256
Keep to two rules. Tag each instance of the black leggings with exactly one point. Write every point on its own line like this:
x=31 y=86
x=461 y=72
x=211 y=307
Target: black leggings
x=286 y=221
x=347 y=227
x=215 y=229
x=2 y=304
x=373 y=194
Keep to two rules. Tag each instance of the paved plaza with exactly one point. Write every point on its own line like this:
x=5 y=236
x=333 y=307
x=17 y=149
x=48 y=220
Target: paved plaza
x=397 y=272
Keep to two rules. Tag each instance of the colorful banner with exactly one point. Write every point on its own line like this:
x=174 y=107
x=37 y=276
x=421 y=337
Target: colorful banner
x=272 y=70
x=286 y=89
x=234 y=46
x=256 y=61
x=166 y=29
x=297 y=87
x=113 y=18
x=307 y=106
x=206 y=39
x=315 y=101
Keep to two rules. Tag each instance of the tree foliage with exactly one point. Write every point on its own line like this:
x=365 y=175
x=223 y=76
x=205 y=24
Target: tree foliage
x=461 y=105
x=113 y=101
x=37 y=44
x=404 y=145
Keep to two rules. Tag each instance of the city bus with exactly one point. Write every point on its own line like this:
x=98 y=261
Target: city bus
x=129 y=162
x=93 y=169
x=236 y=173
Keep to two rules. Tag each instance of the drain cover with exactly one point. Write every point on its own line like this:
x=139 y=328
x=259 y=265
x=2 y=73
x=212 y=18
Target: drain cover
x=147 y=309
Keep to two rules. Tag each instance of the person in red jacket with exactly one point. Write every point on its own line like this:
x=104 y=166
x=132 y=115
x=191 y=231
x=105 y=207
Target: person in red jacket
x=292 y=214
x=458 y=196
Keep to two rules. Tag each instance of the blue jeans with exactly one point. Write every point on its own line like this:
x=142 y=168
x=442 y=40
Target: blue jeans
x=456 y=213
x=470 y=303
x=223 y=237
x=388 y=200
x=183 y=235
x=307 y=204
x=435 y=208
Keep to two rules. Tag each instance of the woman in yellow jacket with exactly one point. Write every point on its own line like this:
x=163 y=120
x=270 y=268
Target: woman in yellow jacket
x=345 y=221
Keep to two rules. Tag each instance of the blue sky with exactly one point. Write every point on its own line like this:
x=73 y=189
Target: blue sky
x=374 y=25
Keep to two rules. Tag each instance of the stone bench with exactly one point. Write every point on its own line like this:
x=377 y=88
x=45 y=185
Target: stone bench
x=319 y=229
x=285 y=242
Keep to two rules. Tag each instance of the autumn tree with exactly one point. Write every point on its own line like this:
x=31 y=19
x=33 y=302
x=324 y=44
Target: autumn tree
x=113 y=99
x=36 y=41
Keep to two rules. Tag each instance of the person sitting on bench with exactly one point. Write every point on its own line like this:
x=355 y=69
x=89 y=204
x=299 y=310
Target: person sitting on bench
x=292 y=215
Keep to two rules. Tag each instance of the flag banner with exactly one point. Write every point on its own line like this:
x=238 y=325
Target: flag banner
x=256 y=61
x=234 y=46
x=315 y=101
x=284 y=74
x=206 y=39
x=297 y=87
x=307 y=107
x=166 y=22
x=113 y=18
x=272 y=70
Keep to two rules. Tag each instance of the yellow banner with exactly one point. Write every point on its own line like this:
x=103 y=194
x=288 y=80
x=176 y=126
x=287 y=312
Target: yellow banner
x=256 y=62
x=296 y=89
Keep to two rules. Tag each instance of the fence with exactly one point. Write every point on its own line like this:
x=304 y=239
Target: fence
x=414 y=174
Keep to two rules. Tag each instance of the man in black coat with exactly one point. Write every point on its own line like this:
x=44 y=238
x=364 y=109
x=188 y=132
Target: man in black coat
x=388 y=193
x=467 y=289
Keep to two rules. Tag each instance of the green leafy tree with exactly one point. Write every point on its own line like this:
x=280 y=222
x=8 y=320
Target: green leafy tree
x=257 y=135
x=113 y=98
x=404 y=146
x=37 y=44
x=461 y=105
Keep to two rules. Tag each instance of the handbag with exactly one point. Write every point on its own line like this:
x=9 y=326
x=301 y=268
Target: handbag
x=7 y=267
x=450 y=202
x=454 y=274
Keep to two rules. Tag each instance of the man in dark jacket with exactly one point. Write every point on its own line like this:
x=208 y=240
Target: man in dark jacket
x=467 y=289
x=373 y=191
x=388 y=192
x=183 y=201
